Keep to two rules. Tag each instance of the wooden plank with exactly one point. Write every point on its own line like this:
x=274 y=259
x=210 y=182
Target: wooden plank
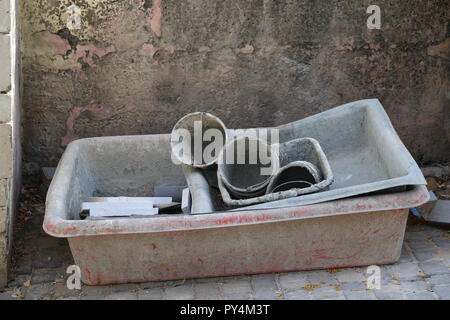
x=119 y=209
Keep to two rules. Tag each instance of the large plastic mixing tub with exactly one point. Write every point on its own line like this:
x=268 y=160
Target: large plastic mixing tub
x=355 y=231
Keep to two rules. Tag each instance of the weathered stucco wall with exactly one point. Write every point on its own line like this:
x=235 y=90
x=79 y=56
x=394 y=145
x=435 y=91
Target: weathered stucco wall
x=136 y=66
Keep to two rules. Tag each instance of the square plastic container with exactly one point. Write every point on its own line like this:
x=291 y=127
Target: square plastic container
x=349 y=232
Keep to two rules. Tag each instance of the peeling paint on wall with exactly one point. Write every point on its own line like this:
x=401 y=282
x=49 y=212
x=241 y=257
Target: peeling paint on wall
x=148 y=50
x=441 y=50
x=152 y=61
x=154 y=17
x=97 y=112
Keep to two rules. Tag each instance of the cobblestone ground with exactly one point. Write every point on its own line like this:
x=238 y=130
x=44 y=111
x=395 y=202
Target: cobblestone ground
x=40 y=262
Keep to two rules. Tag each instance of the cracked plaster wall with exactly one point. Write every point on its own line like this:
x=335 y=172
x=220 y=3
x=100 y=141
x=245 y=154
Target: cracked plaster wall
x=136 y=66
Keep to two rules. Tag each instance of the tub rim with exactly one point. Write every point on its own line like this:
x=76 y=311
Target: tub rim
x=64 y=228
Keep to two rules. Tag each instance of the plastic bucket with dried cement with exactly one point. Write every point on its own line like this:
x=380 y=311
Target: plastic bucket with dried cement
x=245 y=166
x=189 y=148
x=295 y=175
x=302 y=159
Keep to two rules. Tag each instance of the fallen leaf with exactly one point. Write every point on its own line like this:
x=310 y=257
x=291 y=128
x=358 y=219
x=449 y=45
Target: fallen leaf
x=432 y=183
x=334 y=270
x=311 y=287
x=48 y=298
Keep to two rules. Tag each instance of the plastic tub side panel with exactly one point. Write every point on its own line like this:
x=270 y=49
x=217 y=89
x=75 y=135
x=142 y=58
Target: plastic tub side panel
x=318 y=243
x=59 y=227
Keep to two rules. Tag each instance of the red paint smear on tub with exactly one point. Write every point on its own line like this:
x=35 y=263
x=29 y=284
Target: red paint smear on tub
x=70 y=230
x=50 y=227
x=244 y=219
x=96 y=111
x=319 y=254
x=154 y=17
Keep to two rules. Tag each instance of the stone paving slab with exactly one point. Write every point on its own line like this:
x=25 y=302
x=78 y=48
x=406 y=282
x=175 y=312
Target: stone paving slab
x=150 y=294
x=442 y=291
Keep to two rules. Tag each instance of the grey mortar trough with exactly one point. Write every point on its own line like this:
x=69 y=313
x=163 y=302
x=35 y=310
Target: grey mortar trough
x=314 y=231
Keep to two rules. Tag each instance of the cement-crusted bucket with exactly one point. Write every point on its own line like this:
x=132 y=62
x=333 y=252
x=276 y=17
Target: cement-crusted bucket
x=193 y=138
x=295 y=175
x=245 y=166
x=305 y=169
